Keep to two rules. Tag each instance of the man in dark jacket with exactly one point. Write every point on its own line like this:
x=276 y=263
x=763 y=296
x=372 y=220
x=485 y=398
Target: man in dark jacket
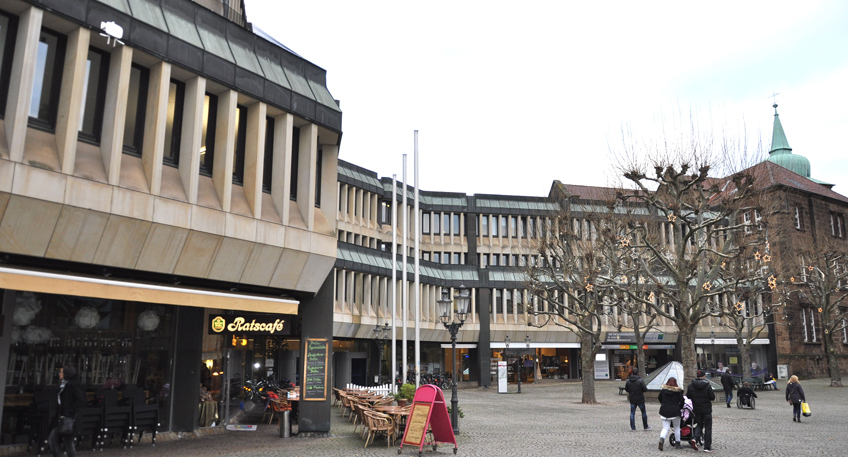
x=636 y=389
x=727 y=383
x=71 y=399
x=701 y=393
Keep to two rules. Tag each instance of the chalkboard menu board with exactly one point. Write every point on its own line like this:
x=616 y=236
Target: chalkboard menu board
x=315 y=370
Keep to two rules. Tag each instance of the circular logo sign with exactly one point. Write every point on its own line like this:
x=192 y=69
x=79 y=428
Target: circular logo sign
x=218 y=324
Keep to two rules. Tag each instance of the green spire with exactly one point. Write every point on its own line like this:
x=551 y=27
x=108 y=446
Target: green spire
x=781 y=153
x=779 y=144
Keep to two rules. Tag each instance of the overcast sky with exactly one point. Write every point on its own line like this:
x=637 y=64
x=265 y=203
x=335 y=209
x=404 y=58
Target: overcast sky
x=508 y=96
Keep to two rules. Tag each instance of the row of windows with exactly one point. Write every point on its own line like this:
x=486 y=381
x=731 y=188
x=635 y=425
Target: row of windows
x=512 y=226
x=44 y=103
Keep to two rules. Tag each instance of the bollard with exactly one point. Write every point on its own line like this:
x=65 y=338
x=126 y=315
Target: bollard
x=285 y=424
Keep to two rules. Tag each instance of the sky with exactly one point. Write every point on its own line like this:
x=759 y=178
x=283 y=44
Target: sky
x=509 y=96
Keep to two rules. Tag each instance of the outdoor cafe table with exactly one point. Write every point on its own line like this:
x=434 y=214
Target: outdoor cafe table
x=397 y=413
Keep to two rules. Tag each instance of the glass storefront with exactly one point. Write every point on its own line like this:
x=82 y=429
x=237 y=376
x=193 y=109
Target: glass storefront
x=716 y=357
x=114 y=345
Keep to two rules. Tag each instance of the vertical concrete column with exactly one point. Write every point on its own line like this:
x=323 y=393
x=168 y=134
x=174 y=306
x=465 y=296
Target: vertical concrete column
x=70 y=98
x=21 y=81
x=225 y=142
x=329 y=178
x=254 y=157
x=280 y=177
x=115 y=112
x=316 y=315
x=191 y=136
x=484 y=336
x=156 y=117
x=306 y=174
x=342 y=292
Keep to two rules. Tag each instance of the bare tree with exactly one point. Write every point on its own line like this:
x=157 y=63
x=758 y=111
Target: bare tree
x=575 y=283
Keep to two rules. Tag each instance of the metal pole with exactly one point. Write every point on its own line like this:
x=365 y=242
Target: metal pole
x=404 y=285
x=417 y=236
x=394 y=281
x=454 y=397
x=518 y=371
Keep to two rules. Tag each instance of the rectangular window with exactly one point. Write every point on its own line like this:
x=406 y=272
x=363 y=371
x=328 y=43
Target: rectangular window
x=426 y=256
x=758 y=219
x=446 y=221
x=456 y=224
x=174 y=123
x=798 y=218
x=495 y=225
x=446 y=258
x=513 y=260
x=484 y=222
x=295 y=163
x=456 y=258
x=746 y=216
x=522 y=227
x=484 y=260
x=207 y=136
x=498 y=301
x=268 y=165
x=496 y=259
x=241 y=139
x=510 y=303
x=47 y=79
x=836 y=225
x=425 y=223
x=436 y=223
x=512 y=227
x=531 y=227
x=386 y=212
x=93 y=95
x=136 y=105
x=7 y=49
x=319 y=168
x=504 y=230
x=437 y=257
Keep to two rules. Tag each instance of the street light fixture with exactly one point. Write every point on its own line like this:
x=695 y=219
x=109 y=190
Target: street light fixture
x=381 y=332
x=518 y=361
x=453 y=320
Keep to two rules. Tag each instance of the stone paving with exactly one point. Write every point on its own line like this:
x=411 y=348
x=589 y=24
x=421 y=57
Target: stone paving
x=547 y=419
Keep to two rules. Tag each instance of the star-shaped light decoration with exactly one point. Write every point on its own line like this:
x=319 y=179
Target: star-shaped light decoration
x=820 y=310
x=707 y=286
x=651 y=296
x=723 y=264
x=641 y=280
x=671 y=217
x=623 y=278
x=772 y=282
x=766 y=258
x=792 y=279
x=589 y=287
x=757 y=255
x=810 y=268
x=739 y=306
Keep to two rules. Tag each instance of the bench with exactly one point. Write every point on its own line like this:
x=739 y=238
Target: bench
x=756 y=383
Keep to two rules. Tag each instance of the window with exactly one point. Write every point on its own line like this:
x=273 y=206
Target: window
x=531 y=227
x=207 y=137
x=446 y=258
x=495 y=225
x=437 y=257
x=509 y=302
x=268 y=166
x=425 y=256
x=746 y=216
x=93 y=95
x=837 y=224
x=47 y=79
x=843 y=311
x=758 y=219
x=436 y=224
x=446 y=221
x=174 y=123
x=512 y=227
x=484 y=222
x=295 y=163
x=7 y=49
x=241 y=137
x=798 y=218
x=425 y=223
x=456 y=258
x=496 y=259
x=319 y=166
x=504 y=230
x=136 y=105
x=808 y=320
x=456 y=224
x=484 y=260
x=513 y=260
x=499 y=301
x=386 y=212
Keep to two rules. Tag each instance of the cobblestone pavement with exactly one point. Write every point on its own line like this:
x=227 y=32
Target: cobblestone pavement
x=549 y=420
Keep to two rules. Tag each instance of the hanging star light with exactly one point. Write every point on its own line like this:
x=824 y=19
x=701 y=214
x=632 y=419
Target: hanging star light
x=589 y=287
x=671 y=217
x=820 y=310
x=624 y=241
x=623 y=278
x=792 y=279
x=707 y=286
x=757 y=255
x=651 y=296
x=641 y=280
x=766 y=258
x=810 y=268
x=739 y=306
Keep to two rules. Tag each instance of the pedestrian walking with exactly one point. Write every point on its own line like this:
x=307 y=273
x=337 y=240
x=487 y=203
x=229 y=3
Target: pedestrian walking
x=71 y=400
x=636 y=389
x=727 y=383
x=671 y=402
x=701 y=393
x=795 y=396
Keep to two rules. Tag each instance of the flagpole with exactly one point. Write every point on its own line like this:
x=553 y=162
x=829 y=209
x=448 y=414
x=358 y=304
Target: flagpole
x=404 y=285
x=394 y=282
x=416 y=229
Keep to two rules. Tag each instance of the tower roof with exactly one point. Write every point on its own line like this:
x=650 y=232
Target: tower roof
x=781 y=153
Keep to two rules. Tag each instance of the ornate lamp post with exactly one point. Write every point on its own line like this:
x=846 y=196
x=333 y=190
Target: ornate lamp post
x=453 y=320
x=519 y=367
x=380 y=335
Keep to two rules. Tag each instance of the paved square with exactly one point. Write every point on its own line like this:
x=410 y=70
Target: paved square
x=547 y=419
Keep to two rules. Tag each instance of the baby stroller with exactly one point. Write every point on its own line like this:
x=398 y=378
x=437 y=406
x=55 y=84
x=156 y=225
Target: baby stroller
x=687 y=426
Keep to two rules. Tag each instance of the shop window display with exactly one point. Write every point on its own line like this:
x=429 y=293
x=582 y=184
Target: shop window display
x=114 y=344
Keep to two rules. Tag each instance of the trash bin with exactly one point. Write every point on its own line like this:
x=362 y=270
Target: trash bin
x=285 y=424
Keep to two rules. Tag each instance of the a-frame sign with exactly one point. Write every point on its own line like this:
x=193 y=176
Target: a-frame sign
x=429 y=411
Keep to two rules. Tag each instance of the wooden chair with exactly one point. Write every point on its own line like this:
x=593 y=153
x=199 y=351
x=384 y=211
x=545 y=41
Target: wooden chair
x=379 y=423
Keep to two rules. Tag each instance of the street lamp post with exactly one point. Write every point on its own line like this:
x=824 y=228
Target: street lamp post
x=518 y=359
x=453 y=320
x=380 y=334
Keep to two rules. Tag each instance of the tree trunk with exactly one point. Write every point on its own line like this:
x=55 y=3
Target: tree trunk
x=744 y=355
x=832 y=361
x=587 y=356
x=640 y=341
x=686 y=340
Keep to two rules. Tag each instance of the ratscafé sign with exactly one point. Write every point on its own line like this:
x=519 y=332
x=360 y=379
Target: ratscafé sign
x=250 y=324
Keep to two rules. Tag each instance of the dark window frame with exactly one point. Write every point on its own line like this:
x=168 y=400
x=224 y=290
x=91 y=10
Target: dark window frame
x=268 y=162
x=6 y=64
x=141 y=112
x=295 y=163
x=319 y=173
x=211 y=124
x=240 y=146
x=99 y=100
x=177 y=129
x=49 y=124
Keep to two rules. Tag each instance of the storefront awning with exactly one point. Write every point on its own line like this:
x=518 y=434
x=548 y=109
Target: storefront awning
x=460 y=346
x=86 y=286
x=521 y=345
x=705 y=341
